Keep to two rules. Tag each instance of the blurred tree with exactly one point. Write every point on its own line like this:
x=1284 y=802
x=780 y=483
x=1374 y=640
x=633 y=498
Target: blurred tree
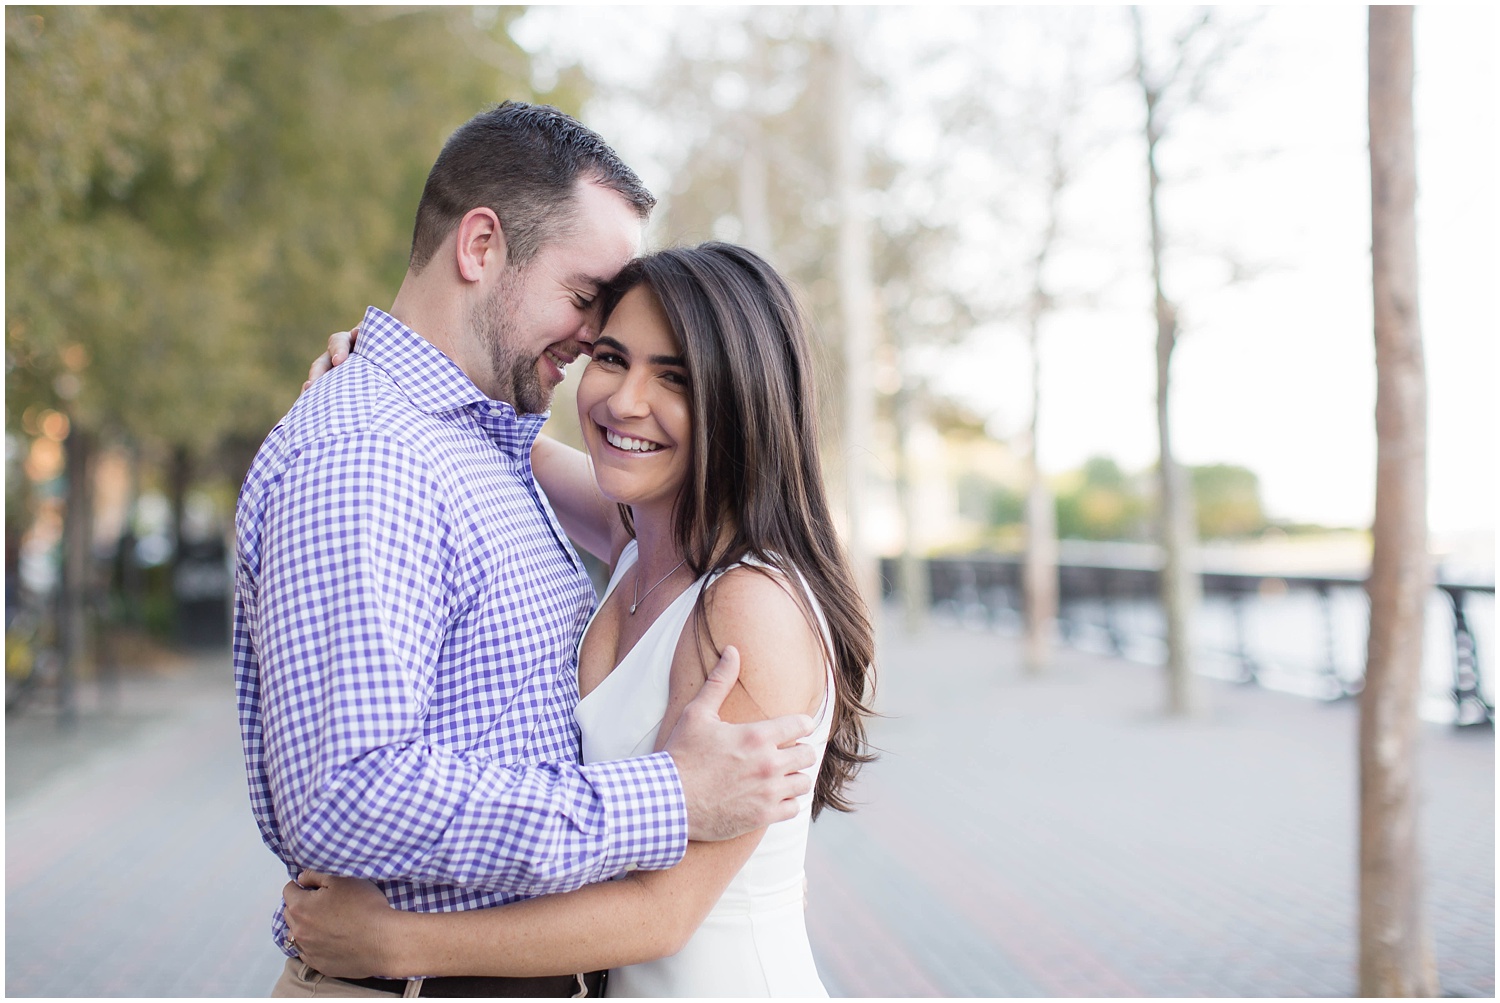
x=1226 y=499
x=778 y=139
x=1100 y=502
x=195 y=195
x=1024 y=117
x=856 y=292
x=1395 y=948
x=1171 y=75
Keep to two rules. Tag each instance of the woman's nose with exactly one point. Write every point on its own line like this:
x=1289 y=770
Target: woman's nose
x=629 y=399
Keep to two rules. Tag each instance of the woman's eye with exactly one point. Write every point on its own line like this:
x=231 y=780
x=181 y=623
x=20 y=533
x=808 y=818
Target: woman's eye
x=608 y=359
x=677 y=379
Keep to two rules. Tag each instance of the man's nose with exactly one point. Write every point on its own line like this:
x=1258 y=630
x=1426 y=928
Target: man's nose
x=589 y=325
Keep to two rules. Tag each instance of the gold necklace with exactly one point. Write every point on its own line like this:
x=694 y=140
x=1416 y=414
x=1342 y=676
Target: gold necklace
x=638 y=596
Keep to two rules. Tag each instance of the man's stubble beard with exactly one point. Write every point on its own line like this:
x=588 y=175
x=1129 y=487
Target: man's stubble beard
x=517 y=380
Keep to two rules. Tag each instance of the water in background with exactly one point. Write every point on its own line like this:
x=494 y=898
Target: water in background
x=1297 y=645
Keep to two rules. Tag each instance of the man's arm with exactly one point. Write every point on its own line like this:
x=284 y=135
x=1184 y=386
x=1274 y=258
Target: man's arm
x=360 y=578
x=347 y=929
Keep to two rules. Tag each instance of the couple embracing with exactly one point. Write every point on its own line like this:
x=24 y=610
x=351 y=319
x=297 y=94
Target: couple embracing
x=482 y=784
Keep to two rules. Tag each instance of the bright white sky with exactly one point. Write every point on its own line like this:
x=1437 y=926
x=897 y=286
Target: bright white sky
x=1276 y=373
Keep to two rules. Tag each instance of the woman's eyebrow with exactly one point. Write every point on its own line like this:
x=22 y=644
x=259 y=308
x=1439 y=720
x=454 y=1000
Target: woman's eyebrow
x=605 y=341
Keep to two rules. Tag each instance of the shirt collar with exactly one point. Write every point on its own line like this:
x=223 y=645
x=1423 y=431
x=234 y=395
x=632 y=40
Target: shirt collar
x=435 y=384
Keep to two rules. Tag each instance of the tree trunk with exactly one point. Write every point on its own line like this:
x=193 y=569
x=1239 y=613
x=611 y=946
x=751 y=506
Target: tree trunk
x=857 y=310
x=179 y=477
x=1039 y=577
x=754 y=191
x=912 y=569
x=1180 y=585
x=1395 y=951
x=1039 y=585
x=131 y=585
x=78 y=564
x=754 y=195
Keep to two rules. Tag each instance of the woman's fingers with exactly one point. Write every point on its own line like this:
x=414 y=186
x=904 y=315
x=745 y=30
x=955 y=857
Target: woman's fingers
x=340 y=343
x=320 y=366
x=314 y=879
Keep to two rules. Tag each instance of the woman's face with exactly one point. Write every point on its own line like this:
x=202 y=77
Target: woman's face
x=634 y=406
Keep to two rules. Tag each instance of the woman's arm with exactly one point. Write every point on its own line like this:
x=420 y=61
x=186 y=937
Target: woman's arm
x=567 y=476
x=346 y=928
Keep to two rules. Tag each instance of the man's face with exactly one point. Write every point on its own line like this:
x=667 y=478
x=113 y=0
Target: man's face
x=541 y=316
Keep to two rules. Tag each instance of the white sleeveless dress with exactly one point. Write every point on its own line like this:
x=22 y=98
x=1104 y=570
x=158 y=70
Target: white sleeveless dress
x=754 y=942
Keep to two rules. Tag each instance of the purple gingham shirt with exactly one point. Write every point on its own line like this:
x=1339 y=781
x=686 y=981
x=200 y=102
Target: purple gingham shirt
x=406 y=620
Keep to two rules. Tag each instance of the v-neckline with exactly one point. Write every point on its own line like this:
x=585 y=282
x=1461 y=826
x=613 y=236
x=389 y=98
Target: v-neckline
x=583 y=638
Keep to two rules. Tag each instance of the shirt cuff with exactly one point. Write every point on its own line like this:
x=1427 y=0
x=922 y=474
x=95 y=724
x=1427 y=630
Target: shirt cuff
x=645 y=810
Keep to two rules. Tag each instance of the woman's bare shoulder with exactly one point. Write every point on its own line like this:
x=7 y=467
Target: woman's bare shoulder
x=782 y=661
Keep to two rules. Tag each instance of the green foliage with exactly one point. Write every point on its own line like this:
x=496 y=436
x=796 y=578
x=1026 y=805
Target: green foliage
x=1007 y=507
x=989 y=503
x=1100 y=502
x=196 y=196
x=1228 y=501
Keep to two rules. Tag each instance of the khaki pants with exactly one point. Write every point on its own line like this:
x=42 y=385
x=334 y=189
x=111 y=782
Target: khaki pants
x=299 y=980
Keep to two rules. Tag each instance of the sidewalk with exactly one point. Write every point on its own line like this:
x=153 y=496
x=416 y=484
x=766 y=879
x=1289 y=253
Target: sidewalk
x=1020 y=837
x=132 y=865
x=1057 y=837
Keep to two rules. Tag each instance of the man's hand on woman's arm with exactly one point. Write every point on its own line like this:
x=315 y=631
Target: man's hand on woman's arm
x=344 y=928
x=737 y=777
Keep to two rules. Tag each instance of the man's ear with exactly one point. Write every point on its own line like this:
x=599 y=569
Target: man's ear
x=480 y=244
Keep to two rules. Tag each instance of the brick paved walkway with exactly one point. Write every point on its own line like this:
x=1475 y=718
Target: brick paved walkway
x=1058 y=838
x=1042 y=838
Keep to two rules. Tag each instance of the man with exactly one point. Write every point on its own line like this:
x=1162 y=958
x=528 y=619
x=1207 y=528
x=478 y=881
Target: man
x=407 y=609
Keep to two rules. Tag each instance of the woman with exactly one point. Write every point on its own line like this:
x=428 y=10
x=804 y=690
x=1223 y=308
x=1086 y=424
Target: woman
x=702 y=488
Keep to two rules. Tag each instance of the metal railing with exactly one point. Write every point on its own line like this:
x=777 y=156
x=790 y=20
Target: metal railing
x=1113 y=607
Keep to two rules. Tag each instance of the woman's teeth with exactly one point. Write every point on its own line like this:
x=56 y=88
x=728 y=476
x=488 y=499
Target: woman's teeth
x=632 y=445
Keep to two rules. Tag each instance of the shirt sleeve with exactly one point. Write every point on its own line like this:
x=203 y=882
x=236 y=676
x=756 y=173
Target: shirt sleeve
x=355 y=599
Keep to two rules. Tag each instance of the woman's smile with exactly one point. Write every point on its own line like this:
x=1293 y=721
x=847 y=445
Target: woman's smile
x=628 y=444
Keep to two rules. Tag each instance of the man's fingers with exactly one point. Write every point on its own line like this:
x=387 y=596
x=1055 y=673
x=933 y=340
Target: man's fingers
x=791 y=788
x=720 y=681
x=801 y=783
x=783 y=731
x=788 y=808
x=796 y=758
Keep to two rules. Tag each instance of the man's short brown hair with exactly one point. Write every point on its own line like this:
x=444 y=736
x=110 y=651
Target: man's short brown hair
x=523 y=161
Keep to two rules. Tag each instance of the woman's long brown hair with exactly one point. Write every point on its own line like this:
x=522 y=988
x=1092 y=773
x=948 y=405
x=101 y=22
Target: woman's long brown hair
x=755 y=467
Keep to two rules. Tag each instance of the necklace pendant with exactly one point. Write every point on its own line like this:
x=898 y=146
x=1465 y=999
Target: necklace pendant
x=632 y=608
